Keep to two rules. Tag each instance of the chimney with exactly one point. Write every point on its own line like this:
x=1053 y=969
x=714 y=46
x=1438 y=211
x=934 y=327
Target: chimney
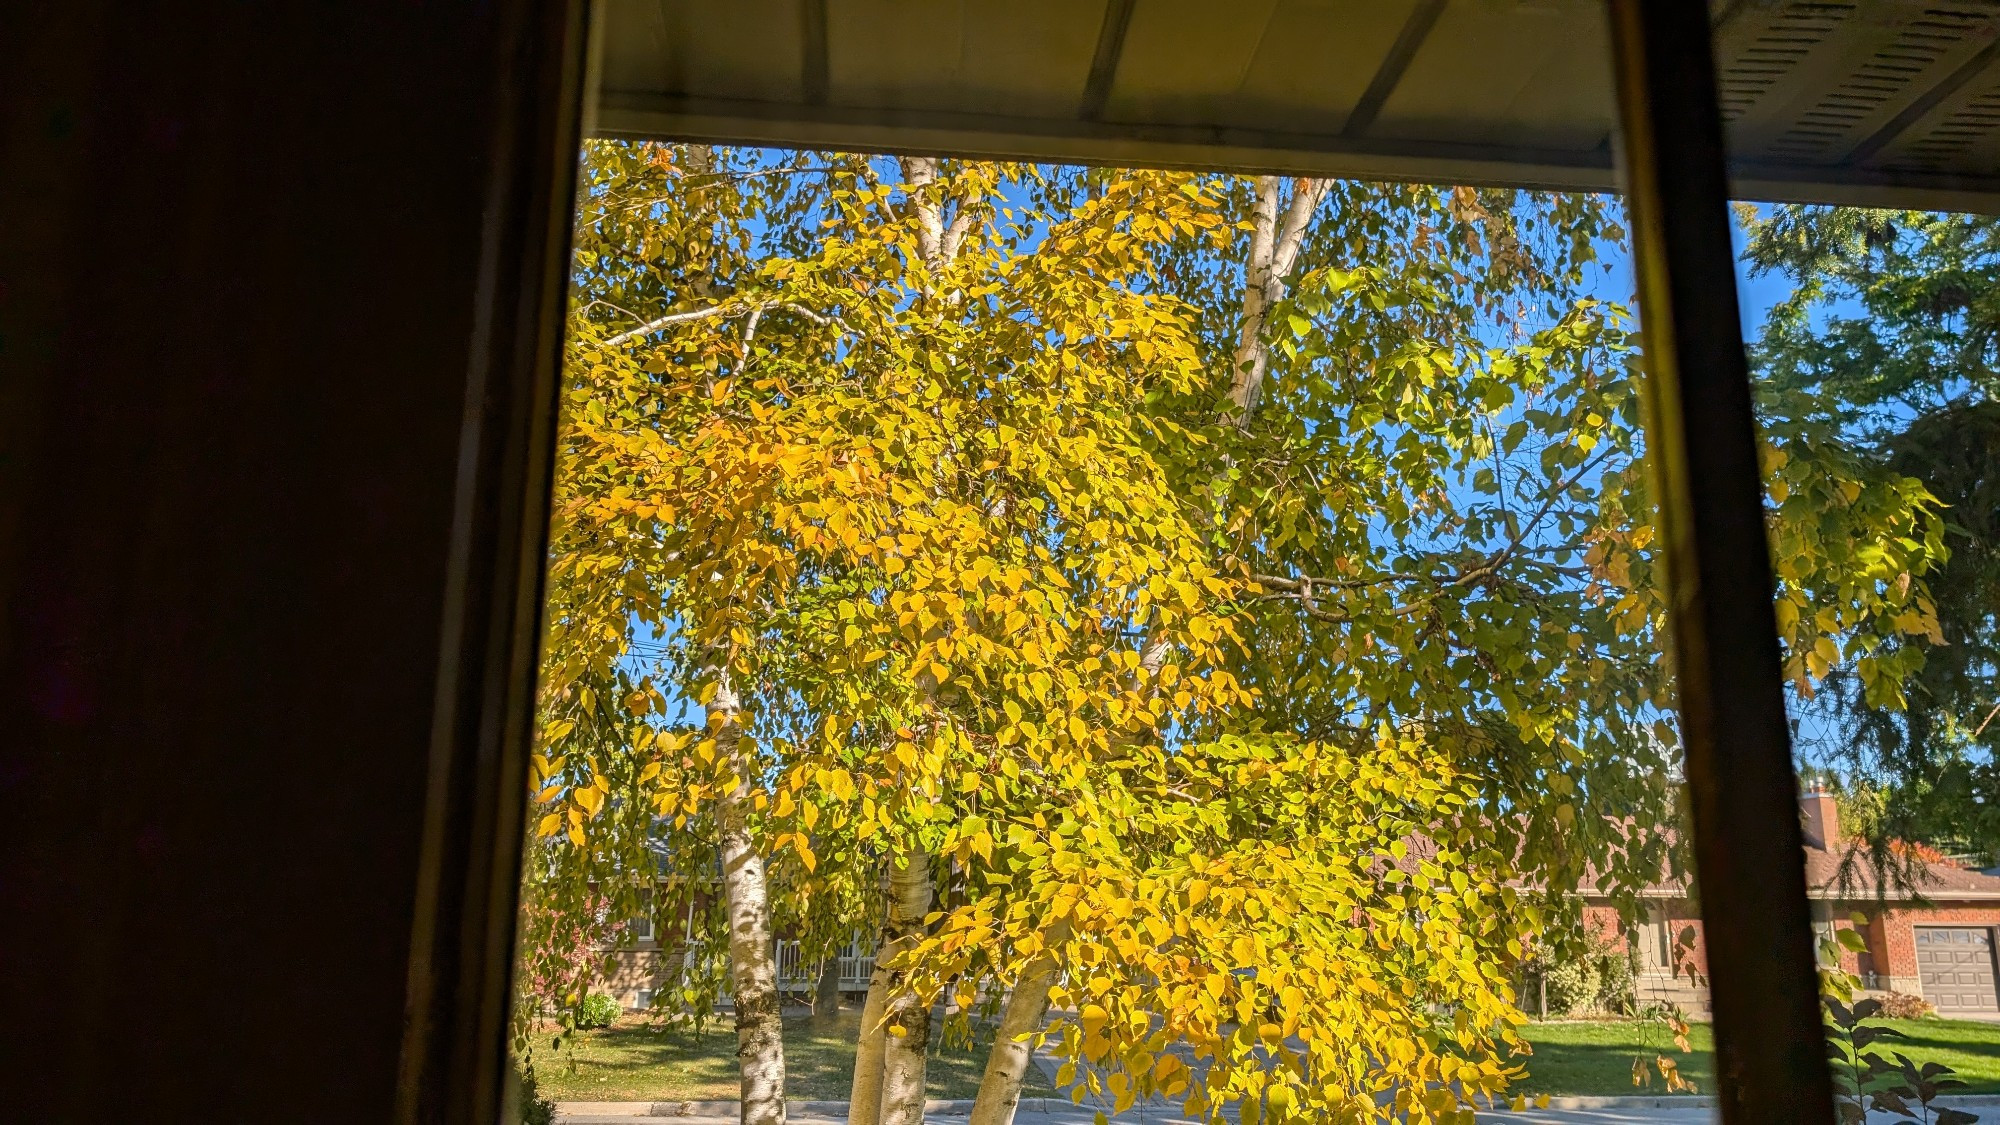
x=1822 y=820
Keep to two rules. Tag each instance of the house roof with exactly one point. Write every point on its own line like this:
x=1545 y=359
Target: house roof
x=1872 y=102
x=1850 y=873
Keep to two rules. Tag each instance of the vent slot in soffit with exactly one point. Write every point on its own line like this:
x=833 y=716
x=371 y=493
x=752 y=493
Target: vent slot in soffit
x=1916 y=58
x=1772 y=52
x=1947 y=143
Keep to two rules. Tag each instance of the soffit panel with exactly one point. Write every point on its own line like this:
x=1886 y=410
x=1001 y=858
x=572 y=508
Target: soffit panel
x=636 y=45
x=1813 y=84
x=743 y=49
x=1316 y=61
x=1962 y=130
x=1184 y=59
x=1880 y=102
x=1026 y=57
x=1508 y=73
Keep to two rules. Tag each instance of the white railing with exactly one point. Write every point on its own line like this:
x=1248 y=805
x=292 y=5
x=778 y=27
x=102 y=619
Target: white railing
x=856 y=967
x=796 y=975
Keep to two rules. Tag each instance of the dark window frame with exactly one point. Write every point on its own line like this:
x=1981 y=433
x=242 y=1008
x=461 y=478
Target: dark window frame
x=1771 y=1063
x=134 y=125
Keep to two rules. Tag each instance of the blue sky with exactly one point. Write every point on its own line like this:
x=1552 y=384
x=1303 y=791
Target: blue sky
x=1756 y=296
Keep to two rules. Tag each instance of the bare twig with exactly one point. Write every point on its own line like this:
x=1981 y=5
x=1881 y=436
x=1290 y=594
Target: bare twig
x=614 y=308
x=1557 y=492
x=1989 y=718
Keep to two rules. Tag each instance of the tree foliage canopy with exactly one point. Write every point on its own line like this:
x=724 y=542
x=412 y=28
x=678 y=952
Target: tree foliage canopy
x=1238 y=593
x=1889 y=341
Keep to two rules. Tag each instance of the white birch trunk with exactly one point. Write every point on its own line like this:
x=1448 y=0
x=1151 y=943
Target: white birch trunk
x=753 y=968
x=906 y=1047
x=864 y=1099
x=1274 y=250
x=1008 y=1062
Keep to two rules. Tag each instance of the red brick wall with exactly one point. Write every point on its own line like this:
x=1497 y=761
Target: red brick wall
x=1682 y=916
x=1877 y=933
x=1603 y=920
x=1890 y=934
x=1851 y=961
x=635 y=969
x=1898 y=949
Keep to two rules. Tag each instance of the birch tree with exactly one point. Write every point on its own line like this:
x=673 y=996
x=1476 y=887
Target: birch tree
x=760 y=1046
x=1278 y=231
x=1240 y=586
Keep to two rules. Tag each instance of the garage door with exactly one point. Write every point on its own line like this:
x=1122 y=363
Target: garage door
x=1957 y=968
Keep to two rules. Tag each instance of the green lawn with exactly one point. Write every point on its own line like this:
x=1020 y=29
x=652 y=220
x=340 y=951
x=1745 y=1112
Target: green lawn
x=1596 y=1058
x=634 y=1061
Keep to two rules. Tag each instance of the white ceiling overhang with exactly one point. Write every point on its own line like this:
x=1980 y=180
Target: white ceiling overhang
x=1883 y=102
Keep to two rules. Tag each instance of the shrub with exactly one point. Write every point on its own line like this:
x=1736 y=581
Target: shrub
x=1593 y=979
x=1866 y=1080
x=598 y=1010
x=1619 y=991
x=531 y=1108
x=1903 y=1006
x=1573 y=985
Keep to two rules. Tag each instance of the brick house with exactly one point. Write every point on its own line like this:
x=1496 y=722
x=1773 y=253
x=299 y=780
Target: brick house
x=1940 y=946
x=638 y=973
x=1935 y=939
x=653 y=962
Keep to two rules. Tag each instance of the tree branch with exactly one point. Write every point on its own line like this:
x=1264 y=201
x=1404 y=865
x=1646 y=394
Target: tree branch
x=1274 y=251
x=954 y=236
x=655 y=325
x=726 y=309
x=921 y=172
x=1306 y=196
x=1989 y=718
x=1248 y=371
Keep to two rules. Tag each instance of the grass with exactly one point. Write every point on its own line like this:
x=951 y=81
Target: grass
x=1596 y=1057
x=637 y=1061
